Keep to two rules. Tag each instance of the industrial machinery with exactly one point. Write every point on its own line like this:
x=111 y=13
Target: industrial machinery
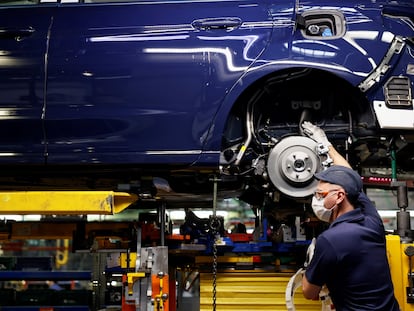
x=136 y=263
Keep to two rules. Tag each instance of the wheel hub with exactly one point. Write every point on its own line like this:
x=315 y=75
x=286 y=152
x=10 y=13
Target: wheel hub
x=292 y=164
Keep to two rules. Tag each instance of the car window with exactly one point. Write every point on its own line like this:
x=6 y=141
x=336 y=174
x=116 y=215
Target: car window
x=20 y=2
x=32 y=2
x=101 y=1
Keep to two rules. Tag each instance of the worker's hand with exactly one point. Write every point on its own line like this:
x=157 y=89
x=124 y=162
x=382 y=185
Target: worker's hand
x=309 y=253
x=316 y=133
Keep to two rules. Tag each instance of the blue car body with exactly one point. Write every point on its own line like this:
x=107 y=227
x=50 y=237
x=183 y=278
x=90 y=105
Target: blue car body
x=165 y=86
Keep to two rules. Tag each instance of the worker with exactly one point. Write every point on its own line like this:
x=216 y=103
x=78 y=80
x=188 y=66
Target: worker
x=350 y=256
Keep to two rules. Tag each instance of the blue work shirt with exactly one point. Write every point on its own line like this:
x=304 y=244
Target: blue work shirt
x=350 y=258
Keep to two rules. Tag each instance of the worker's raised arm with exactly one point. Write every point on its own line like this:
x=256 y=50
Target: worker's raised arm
x=318 y=135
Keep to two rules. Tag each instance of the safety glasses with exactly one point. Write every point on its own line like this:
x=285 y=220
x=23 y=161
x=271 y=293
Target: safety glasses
x=322 y=194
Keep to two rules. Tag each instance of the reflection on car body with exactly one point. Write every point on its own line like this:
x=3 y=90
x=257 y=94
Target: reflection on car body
x=181 y=90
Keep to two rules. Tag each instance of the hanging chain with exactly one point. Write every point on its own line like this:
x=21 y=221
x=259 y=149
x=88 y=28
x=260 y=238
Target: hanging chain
x=214 y=274
x=214 y=226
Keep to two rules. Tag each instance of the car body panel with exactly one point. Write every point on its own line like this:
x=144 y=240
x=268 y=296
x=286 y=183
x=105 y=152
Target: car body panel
x=23 y=45
x=351 y=56
x=141 y=82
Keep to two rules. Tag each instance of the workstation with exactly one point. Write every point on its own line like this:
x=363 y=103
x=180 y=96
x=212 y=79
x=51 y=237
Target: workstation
x=206 y=155
x=168 y=258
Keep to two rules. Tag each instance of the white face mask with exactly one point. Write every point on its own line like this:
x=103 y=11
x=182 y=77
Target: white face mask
x=318 y=206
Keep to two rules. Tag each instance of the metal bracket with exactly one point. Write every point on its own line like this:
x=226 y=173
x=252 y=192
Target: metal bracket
x=397 y=45
x=323 y=151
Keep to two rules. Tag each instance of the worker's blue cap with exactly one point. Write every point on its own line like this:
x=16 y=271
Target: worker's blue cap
x=343 y=176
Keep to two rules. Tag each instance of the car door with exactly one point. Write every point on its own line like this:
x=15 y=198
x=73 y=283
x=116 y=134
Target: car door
x=128 y=80
x=24 y=27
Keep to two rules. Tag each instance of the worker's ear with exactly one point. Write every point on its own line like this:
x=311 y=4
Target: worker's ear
x=340 y=196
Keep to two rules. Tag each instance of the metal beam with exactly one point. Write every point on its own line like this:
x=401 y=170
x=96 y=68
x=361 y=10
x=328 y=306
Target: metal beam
x=65 y=202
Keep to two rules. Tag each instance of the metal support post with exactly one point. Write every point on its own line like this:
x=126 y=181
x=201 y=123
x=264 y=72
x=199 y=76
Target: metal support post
x=161 y=214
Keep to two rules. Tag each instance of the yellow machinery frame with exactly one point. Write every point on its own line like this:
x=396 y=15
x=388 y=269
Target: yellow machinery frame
x=400 y=270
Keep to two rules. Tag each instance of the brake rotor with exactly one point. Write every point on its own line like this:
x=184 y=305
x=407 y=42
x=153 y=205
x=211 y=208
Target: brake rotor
x=292 y=164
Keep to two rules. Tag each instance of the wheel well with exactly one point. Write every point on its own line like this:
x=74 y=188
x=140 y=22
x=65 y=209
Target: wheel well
x=280 y=99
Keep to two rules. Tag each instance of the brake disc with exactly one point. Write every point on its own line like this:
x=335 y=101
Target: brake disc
x=292 y=164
